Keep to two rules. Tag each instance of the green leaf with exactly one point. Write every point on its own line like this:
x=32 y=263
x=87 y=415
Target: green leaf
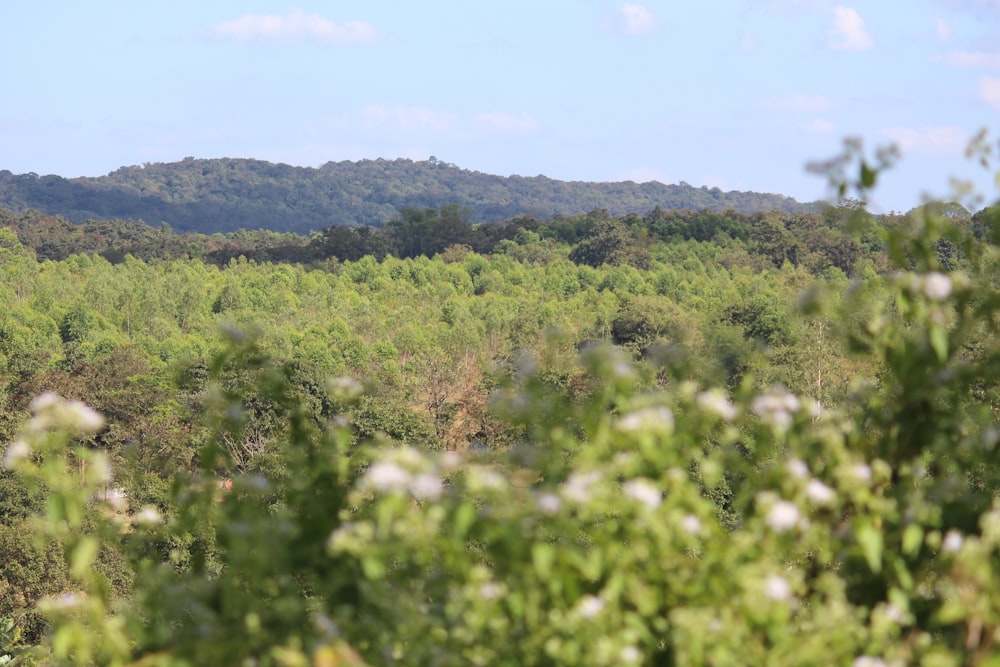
x=870 y=540
x=939 y=341
x=465 y=515
x=543 y=556
x=83 y=556
x=913 y=537
x=868 y=176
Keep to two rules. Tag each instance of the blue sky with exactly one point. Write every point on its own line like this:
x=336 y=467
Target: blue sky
x=739 y=94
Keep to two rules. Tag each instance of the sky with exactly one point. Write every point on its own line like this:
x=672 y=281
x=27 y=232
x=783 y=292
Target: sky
x=736 y=94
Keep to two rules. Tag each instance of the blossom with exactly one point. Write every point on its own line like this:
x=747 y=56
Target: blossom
x=149 y=516
x=657 y=419
x=426 y=486
x=16 y=452
x=590 y=606
x=691 y=524
x=797 y=468
x=936 y=286
x=868 y=661
x=776 y=408
x=490 y=590
x=577 y=487
x=643 y=491
x=861 y=472
x=952 y=542
x=777 y=588
x=549 y=503
x=387 y=477
x=714 y=401
x=630 y=654
x=820 y=493
x=50 y=410
x=782 y=516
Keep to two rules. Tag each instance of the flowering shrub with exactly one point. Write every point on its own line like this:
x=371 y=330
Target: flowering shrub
x=633 y=525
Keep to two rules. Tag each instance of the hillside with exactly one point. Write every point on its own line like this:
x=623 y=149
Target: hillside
x=224 y=195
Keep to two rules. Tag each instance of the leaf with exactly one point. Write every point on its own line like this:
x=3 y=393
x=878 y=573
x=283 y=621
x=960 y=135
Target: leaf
x=913 y=537
x=83 y=556
x=465 y=515
x=939 y=341
x=543 y=556
x=868 y=175
x=870 y=540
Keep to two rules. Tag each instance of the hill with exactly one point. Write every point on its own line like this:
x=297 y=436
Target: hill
x=224 y=195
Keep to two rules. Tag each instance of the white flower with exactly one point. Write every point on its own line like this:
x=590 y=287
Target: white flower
x=589 y=606
x=797 y=468
x=936 y=286
x=481 y=478
x=777 y=588
x=868 y=661
x=64 y=602
x=115 y=497
x=16 y=452
x=894 y=613
x=148 y=516
x=643 y=491
x=577 y=486
x=776 y=408
x=861 y=472
x=715 y=402
x=387 y=477
x=44 y=402
x=820 y=493
x=450 y=460
x=100 y=468
x=491 y=590
x=82 y=418
x=782 y=516
x=630 y=654
x=691 y=524
x=549 y=503
x=657 y=419
x=426 y=486
x=953 y=541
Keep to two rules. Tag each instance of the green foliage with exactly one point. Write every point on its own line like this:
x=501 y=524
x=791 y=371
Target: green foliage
x=225 y=195
x=504 y=483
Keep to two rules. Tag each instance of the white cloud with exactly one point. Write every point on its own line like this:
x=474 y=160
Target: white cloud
x=798 y=102
x=635 y=19
x=989 y=91
x=942 y=28
x=408 y=118
x=974 y=59
x=929 y=140
x=297 y=25
x=848 y=32
x=509 y=123
x=819 y=126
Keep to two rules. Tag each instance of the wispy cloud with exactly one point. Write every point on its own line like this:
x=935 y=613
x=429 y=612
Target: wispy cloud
x=943 y=139
x=400 y=117
x=508 y=123
x=848 y=32
x=295 y=26
x=633 y=18
x=798 y=103
x=942 y=29
x=819 y=126
x=973 y=59
x=989 y=91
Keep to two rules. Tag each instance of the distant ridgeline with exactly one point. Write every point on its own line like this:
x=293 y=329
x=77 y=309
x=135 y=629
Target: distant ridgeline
x=225 y=195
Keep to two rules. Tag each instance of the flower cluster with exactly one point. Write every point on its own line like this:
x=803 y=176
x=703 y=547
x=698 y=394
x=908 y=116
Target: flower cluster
x=405 y=470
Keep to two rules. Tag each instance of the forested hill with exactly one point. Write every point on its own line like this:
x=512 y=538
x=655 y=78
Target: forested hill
x=224 y=195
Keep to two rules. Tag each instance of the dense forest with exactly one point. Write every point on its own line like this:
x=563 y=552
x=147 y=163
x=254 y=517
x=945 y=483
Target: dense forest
x=226 y=195
x=661 y=436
